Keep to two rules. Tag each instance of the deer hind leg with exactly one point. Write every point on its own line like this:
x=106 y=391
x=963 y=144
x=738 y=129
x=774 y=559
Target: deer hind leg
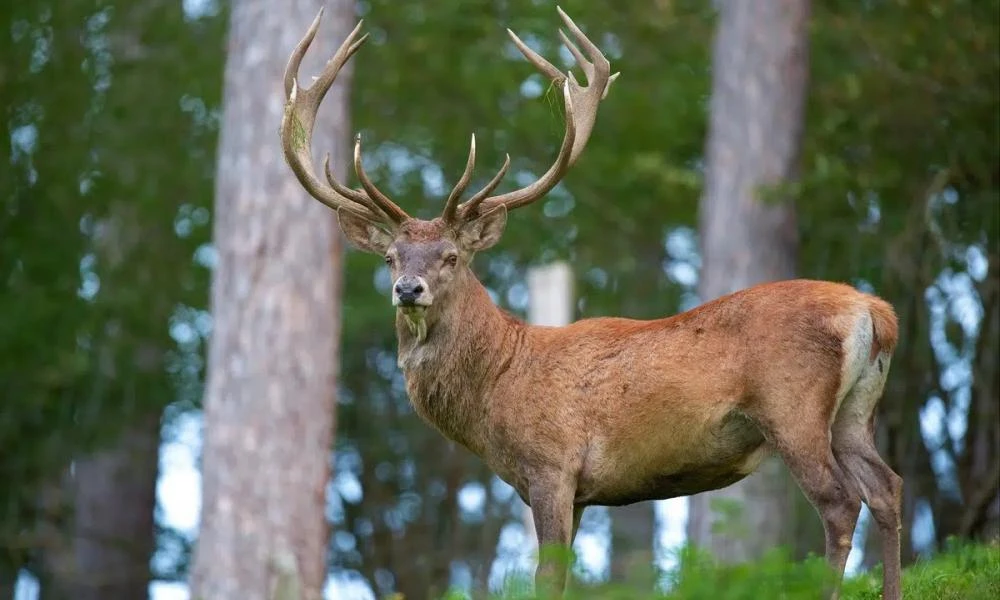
x=880 y=487
x=803 y=441
x=838 y=503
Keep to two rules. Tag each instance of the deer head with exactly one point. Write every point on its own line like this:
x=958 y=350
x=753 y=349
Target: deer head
x=429 y=259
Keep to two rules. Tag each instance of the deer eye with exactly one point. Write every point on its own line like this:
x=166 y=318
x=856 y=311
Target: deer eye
x=451 y=260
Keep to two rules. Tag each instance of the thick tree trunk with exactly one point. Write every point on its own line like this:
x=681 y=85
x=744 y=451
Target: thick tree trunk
x=757 y=117
x=632 y=532
x=269 y=404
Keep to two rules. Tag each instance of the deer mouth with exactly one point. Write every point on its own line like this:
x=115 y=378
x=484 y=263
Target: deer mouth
x=413 y=316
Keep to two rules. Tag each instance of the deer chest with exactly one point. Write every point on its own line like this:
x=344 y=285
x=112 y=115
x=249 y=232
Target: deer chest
x=446 y=408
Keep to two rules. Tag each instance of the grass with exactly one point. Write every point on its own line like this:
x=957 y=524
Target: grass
x=963 y=571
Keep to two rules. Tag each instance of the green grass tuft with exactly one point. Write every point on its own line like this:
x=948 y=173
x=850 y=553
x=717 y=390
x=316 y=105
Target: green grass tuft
x=963 y=571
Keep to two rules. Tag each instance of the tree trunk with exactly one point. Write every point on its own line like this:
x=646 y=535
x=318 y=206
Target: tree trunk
x=979 y=466
x=632 y=532
x=114 y=496
x=760 y=75
x=273 y=356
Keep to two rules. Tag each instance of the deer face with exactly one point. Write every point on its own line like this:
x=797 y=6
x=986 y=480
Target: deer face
x=424 y=257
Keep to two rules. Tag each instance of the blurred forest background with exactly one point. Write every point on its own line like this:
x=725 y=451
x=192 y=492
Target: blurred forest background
x=113 y=109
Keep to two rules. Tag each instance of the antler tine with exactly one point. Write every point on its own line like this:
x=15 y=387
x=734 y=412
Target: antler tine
x=577 y=55
x=347 y=49
x=581 y=60
x=581 y=113
x=299 y=117
x=451 y=205
x=391 y=210
x=335 y=64
x=534 y=58
x=599 y=80
x=471 y=206
x=298 y=53
x=592 y=49
x=355 y=195
x=547 y=181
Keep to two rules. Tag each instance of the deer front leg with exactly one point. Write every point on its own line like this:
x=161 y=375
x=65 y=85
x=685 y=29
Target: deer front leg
x=553 y=512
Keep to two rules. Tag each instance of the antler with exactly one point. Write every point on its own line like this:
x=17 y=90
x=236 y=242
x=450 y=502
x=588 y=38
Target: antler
x=297 y=123
x=581 y=111
x=299 y=117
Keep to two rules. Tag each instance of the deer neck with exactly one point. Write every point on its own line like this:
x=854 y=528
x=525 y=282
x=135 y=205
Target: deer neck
x=452 y=360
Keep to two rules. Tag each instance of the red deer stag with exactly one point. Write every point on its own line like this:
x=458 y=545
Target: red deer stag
x=611 y=411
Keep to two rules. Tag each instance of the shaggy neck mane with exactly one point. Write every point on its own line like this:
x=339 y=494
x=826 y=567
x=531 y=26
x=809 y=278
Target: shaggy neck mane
x=467 y=346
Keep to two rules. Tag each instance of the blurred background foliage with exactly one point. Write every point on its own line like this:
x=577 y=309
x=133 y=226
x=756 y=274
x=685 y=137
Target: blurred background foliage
x=111 y=116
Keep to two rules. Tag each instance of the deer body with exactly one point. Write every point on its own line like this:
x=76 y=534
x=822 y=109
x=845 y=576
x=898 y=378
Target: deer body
x=613 y=411
x=633 y=410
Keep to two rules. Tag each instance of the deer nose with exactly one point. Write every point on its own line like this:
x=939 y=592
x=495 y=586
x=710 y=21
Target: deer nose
x=408 y=289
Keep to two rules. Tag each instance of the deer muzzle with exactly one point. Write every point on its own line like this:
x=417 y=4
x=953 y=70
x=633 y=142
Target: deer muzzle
x=411 y=291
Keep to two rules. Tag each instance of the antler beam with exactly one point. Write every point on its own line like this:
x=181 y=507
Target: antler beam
x=581 y=103
x=297 y=123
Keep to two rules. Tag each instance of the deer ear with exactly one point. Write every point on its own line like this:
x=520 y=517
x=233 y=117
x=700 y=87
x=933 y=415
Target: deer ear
x=364 y=234
x=483 y=231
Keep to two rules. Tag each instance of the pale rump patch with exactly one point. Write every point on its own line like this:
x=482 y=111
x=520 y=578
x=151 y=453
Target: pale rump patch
x=857 y=348
x=860 y=401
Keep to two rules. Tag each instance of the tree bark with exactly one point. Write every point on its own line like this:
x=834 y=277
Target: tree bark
x=760 y=76
x=114 y=497
x=979 y=466
x=273 y=356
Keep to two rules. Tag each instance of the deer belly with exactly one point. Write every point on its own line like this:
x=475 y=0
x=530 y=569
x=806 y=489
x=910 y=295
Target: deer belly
x=677 y=465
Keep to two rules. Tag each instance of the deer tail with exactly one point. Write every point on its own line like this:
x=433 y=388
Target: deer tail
x=885 y=326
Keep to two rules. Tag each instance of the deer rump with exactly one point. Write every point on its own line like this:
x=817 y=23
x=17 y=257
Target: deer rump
x=645 y=410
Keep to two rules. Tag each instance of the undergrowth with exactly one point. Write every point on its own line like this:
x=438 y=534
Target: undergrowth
x=962 y=572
